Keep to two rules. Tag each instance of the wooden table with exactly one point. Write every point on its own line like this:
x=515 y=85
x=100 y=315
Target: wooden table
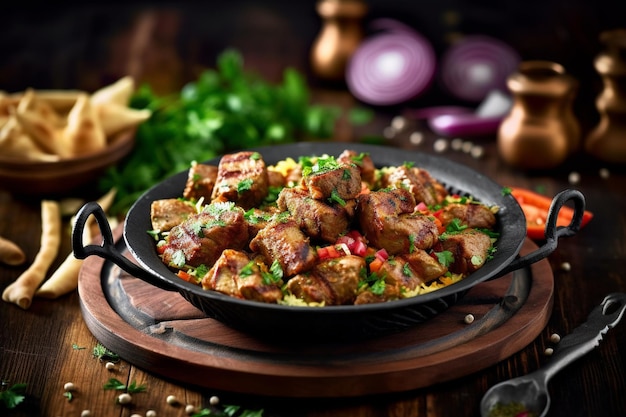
x=49 y=344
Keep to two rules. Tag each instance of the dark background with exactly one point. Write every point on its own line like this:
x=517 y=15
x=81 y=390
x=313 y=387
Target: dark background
x=86 y=45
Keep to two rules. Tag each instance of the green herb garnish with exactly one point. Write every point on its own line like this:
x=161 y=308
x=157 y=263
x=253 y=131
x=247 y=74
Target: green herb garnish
x=244 y=185
x=335 y=198
x=445 y=257
x=102 y=353
x=116 y=384
x=12 y=396
x=225 y=109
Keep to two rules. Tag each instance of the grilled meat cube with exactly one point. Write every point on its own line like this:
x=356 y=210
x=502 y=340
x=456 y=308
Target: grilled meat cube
x=387 y=220
x=236 y=275
x=169 y=212
x=317 y=218
x=284 y=242
x=374 y=206
x=477 y=216
x=363 y=161
x=469 y=249
x=418 y=181
x=391 y=292
x=309 y=288
x=333 y=282
x=343 y=182
x=401 y=234
x=203 y=236
x=276 y=179
x=241 y=178
x=406 y=271
x=257 y=219
x=397 y=272
x=200 y=182
x=425 y=267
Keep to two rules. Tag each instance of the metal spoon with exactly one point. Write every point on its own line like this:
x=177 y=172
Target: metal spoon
x=531 y=390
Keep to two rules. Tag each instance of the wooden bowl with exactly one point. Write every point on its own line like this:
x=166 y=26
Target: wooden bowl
x=37 y=178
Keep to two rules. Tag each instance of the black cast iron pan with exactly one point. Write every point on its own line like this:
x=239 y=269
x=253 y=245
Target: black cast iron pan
x=331 y=322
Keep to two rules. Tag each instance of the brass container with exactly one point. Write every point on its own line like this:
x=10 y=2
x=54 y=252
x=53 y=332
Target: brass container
x=540 y=131
x=340 y=35
x=607 y=141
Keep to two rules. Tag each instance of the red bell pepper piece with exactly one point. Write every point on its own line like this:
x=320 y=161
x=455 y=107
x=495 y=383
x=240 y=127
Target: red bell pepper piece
x=536 y=206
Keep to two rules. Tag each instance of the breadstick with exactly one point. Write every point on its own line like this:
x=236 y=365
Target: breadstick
x=21 y=291
x=10 y=253
x=65 y=278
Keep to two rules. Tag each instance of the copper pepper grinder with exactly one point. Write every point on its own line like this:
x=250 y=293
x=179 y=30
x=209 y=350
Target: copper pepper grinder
x=540 y=131
x=607 y=141
x=339 y=37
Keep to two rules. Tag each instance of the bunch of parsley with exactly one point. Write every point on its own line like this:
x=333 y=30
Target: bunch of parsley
x=226 y=109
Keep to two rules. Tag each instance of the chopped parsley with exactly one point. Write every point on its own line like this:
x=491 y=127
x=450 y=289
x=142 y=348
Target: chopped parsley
x=374 y=281
x=335 y=198
x=411 y=243
x=358 y=159
x=244 y=185
x=455 y=226
x=378 y=287
x=247 y=270
x=314 y=166
x=445 y=258
x=219 y=207
x=275 y=275
x=253 y=216
x=201 y=271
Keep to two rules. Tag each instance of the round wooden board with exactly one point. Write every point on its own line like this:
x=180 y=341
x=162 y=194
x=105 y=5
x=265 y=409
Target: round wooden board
x=160 y=332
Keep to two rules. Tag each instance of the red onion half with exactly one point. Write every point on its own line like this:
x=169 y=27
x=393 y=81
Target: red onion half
x=476 y=65
x=391 y=67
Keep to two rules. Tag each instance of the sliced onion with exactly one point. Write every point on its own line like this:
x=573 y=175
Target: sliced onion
x=429 y=112
x=468 y=124
x=476 y=65
x=391 y=67
x=461 y=121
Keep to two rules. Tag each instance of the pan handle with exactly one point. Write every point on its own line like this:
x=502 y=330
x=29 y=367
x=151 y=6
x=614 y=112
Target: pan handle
x=552 y=231
x=107 y=249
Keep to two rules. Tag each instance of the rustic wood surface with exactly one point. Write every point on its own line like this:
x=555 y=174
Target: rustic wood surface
x=50 y=344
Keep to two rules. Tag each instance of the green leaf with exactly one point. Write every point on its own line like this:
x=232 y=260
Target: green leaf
x=445 y=257
x=378 y=287
x=114 y=384
x=102 y=353
x=13 y=396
